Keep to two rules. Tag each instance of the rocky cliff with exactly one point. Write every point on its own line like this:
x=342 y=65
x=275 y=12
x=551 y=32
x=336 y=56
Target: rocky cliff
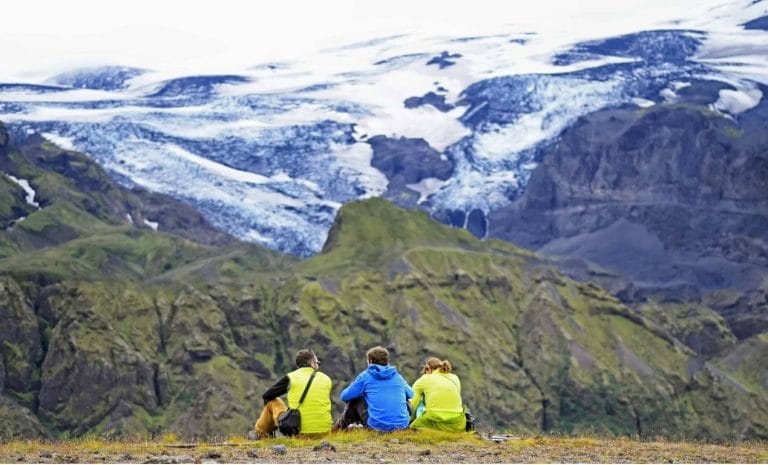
x=667 y=203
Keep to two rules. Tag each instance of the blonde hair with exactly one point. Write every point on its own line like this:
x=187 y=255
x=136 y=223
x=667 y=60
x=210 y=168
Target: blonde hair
x=434 y=363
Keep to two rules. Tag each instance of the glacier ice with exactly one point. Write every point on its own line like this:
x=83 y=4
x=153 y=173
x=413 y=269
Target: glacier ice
x=270 y=153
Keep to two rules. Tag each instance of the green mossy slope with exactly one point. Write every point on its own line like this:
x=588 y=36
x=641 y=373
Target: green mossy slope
x=117 y=329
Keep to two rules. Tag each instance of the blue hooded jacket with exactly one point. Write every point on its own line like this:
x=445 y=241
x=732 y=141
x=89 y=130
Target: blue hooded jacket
x=385 y=392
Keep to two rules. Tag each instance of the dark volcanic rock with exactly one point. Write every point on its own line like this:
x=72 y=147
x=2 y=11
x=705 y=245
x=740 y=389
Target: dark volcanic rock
x=760 y=23
x=745 y=312
x=477 y=224
x=430 y=98
x=18 y=422
x=20 y=345
x=674 y=198
x=444 y=60
x=89 y=370
x=407 y=161
x=702 y=92
x=325 y=446
x=474 y=221
x=14 y=204
x=699 y=327
x=174 y=216
x=3 y=140
x=455 y=218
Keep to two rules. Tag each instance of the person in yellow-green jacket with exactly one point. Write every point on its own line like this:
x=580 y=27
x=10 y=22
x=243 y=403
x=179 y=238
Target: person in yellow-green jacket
x=316 y=408
x=440 y=392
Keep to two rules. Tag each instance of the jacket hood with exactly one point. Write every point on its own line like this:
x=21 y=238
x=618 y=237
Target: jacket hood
x=382 y=371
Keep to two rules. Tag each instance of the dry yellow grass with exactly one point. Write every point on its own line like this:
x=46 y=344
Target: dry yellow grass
x=399 y=447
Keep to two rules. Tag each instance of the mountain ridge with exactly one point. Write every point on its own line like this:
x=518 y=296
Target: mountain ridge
x=667 y=203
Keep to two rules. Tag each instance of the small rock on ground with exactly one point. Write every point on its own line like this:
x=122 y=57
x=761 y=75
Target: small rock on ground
x=279 y=449
x=170 y=459
x=325 y=445
x=253 y=453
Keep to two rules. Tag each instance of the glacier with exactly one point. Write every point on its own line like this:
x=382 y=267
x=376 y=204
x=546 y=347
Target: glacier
x=269 y=153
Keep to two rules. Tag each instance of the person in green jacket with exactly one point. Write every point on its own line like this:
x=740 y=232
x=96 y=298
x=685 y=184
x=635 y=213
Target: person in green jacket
x=440 y=392
x=316 y=408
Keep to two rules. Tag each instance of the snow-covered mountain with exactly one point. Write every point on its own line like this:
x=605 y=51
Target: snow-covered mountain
x=454 y=124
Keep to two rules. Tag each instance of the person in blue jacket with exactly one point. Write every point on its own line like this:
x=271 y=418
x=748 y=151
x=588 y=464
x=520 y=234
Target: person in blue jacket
x=378 y=397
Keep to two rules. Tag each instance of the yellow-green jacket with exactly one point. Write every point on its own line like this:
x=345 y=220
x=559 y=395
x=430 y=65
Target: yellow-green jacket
x=316 y=408
x=444 y=409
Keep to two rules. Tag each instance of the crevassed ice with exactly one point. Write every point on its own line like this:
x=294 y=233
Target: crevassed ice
x=271 y=157
x=498 y=158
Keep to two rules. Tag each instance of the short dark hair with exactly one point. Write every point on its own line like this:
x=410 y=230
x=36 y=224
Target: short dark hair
x=304 y=357
x=378 y=355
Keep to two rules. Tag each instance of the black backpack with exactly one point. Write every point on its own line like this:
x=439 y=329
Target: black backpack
x=470 y=419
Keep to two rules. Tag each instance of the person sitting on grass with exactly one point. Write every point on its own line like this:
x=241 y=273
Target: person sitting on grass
x=378 y=397
x=316 y=408
x=440 y=392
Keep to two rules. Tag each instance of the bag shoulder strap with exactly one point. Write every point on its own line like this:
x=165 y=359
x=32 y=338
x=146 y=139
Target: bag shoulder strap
x=304 y=394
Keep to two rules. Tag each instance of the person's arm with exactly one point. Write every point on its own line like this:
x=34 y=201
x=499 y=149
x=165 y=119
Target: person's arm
x=277 y=389
x=407 y=387
x=354 y=390
x=418 y=391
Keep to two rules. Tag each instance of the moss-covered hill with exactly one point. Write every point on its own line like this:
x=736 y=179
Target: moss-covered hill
x=112 y=327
